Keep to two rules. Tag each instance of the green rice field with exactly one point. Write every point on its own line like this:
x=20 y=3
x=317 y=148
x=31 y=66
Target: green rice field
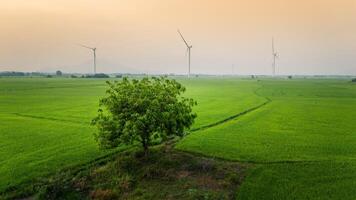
x=298 y=135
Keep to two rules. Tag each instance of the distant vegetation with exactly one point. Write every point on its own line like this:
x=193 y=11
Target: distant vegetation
x=21 y=74
x=354 y=80
x=13 y=74
x=59 y=73
x=28 y=74
x=100 y=75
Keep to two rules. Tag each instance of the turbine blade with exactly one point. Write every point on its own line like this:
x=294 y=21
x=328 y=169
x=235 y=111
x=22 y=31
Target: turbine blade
x=186 y=43
x=86 y=46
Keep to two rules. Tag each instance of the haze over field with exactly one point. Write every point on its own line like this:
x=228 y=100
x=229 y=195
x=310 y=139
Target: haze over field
x=312 y=36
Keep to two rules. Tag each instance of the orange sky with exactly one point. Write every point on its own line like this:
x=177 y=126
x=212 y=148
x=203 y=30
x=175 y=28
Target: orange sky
x=312 y=36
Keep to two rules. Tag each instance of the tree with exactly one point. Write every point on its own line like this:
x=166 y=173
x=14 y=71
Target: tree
x=58 y=73
x=99 y=75
x=142 y=110
x=354 y=80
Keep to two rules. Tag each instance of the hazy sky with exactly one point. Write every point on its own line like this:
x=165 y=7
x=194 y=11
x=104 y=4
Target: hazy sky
x=312 y=36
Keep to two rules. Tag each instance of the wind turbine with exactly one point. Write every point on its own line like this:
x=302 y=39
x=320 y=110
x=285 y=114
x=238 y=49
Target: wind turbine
x=94 y=51
x=189 y=47
x=275 y=56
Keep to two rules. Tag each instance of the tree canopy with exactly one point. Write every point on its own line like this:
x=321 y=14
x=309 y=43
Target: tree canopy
x=59 y=73
x=142 y=110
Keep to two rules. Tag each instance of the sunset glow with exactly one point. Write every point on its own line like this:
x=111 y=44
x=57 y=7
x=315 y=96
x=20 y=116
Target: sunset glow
x=312 y=36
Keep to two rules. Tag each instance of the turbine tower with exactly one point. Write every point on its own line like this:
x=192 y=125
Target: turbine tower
x=94 y=52
x=275 y=56
x=189 y=47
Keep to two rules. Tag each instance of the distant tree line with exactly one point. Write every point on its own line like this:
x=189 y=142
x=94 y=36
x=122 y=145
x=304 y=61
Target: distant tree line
x=354 y=80
x=100 y=75
x=57 y=73
x=13 y=74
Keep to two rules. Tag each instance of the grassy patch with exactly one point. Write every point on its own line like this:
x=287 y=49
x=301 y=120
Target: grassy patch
x=166 y=174
x=301 y=180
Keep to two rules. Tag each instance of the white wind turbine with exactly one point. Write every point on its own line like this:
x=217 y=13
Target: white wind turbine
x=275 y=56
x=94 y=52
x=189 y=47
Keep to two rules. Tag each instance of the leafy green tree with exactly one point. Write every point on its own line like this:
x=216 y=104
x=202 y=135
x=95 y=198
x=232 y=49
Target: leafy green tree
x=58 y=73
x=142 y=110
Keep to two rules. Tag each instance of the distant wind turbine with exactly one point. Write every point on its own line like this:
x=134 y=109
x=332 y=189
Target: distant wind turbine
x=94 y=51
x=275 y=56
x=189 y=47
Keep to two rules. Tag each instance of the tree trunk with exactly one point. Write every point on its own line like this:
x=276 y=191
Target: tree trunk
x=145 y=147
